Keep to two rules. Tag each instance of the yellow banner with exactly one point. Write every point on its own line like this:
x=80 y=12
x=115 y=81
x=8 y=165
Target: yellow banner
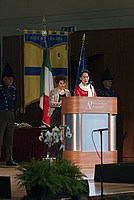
x=33 y=58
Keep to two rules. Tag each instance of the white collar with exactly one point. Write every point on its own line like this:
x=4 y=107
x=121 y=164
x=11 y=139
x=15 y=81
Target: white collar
x=89 y=88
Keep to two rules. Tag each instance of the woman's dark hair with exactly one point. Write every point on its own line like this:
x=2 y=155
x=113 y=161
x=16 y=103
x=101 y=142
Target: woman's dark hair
x=84 y=71
x=60 y=78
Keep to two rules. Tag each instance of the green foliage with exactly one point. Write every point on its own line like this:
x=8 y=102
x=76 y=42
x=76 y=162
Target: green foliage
x=56 y=176
x=72 y=177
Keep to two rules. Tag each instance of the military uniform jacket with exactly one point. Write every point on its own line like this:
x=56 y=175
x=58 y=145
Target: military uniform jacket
x=7 y=97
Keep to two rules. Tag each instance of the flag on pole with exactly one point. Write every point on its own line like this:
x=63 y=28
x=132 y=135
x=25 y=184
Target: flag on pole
x=82 y=61
x=46 y=85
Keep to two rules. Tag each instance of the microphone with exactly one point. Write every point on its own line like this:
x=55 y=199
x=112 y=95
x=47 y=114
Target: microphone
x=101 y=129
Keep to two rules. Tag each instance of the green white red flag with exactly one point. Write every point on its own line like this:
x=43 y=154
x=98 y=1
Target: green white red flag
x=46 y=85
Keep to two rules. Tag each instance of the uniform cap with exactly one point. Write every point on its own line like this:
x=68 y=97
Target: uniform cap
x=7 y=71
x=106 y=75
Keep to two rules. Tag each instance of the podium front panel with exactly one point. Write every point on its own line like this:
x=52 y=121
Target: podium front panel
x=81 y=127
x=90 y=139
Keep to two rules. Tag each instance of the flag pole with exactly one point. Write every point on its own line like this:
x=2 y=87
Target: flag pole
x=83 y=43
x=82 y=61
x=44 y=34
x=46 y=79
x=44 y=30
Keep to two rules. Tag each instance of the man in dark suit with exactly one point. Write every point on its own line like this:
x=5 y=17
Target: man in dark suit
x=106 y=80
x=7 y=105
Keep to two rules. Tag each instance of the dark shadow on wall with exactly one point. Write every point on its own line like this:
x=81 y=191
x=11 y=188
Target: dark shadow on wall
x=32 y=116
x=95 y=65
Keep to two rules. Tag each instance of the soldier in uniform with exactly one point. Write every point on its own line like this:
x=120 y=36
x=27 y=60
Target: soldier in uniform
x=7 y=105
x=106 y=80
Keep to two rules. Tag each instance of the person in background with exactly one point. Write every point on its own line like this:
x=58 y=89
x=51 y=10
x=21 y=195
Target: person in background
x=85 y=88
x=55 y=100
x=107 y=91
x=7 y=106
x=106 y=80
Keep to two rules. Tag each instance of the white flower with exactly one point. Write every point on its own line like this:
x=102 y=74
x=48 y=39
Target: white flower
x=50 y=138
x=55 y=129
x=48 y=134
x=41 y=138
x=68 y=132
x=62 y=146
x=55 y=137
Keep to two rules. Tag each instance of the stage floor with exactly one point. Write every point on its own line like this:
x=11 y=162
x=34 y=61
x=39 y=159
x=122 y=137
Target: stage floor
x=109 y=189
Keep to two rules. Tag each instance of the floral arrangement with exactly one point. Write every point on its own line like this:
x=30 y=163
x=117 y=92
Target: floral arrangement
x=52 y=137
x=55 y=136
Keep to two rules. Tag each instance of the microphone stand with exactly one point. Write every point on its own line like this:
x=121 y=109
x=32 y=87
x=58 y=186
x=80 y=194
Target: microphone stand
x=101 y=174
x=101 y=166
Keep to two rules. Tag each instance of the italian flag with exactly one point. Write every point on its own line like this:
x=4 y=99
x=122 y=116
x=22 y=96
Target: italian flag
x=46 y=85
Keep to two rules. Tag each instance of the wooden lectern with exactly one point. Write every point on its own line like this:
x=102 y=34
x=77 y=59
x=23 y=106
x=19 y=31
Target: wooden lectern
x=83 y=115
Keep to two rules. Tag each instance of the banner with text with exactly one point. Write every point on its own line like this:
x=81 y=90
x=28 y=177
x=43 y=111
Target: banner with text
x=33 y=58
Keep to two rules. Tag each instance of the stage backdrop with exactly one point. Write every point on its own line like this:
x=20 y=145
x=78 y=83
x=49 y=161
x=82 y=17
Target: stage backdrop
x=33 y=58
